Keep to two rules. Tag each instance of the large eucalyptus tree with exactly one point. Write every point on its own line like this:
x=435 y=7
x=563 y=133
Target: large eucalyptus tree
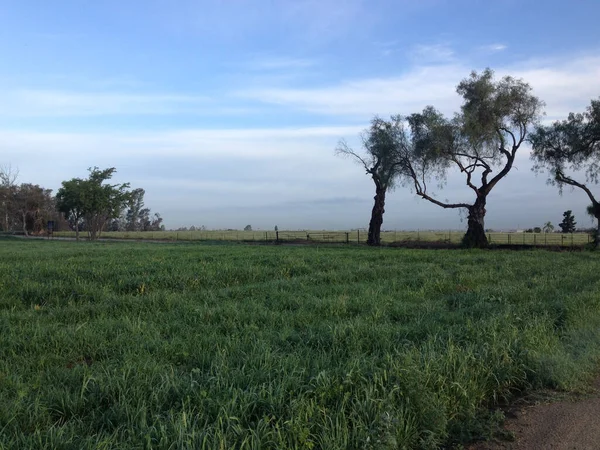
x=481 y=141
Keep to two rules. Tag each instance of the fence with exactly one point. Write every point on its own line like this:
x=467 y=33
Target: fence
x=353 y=236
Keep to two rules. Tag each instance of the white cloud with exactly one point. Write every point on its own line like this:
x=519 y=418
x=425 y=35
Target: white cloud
x=278 y=63
x=52 y=103
x=436 y=53
x=363 y=98
x=493 y=48
x=565 y=84
x=226 y=143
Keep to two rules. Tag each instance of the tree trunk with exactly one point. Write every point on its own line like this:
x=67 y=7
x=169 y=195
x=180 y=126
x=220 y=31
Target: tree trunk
x=475 y=236
x=597 y=237
x=25 y=224
x=374 y=237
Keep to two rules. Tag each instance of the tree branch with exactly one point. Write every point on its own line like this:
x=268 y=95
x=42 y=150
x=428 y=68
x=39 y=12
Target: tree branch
x=442 y=204
x=506 y=130
x=562 y=178
x=344 y=150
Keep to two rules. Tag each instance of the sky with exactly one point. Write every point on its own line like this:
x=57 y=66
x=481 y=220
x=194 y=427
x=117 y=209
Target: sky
x=228 y=112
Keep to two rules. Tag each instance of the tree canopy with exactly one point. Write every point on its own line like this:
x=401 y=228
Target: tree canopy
x=484 y=137
x=92 y=201
x=569 y=147
x=568 y=223
x=383 y=160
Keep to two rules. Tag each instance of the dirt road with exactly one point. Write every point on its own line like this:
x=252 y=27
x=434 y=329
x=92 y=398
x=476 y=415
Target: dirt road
x=572 y=423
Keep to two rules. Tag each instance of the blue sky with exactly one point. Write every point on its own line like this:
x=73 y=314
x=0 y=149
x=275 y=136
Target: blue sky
x=228 y=111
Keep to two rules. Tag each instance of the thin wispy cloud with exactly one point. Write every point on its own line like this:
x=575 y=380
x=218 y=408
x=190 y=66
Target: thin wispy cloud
x=493 y=48
x=262 y=63
x=436 y=53
x=564 y=83
x=363 y=98
x=59 y=103
x=387 y=48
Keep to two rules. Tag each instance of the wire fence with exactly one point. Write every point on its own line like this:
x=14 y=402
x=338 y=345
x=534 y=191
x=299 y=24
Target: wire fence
x=348 y=237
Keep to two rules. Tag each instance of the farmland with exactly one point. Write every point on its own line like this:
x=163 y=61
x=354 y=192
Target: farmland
x=354 y=236
x=198 y=345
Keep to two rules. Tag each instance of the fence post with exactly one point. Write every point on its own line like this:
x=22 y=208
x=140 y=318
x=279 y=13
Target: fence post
x=307 y=237
x=534 y=239
x=490 y=238
x=562 y=239
x=358 y=236
x=572 y=239
x=508 y=238
x=277 y=235
x=347 y=237
x=266 y=236
x=418 y=236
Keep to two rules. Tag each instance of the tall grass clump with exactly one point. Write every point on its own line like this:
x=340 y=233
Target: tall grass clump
x=168 y=346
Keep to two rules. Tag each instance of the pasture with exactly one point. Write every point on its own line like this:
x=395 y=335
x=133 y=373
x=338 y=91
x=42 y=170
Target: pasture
x=107 y=345
x=351 y=237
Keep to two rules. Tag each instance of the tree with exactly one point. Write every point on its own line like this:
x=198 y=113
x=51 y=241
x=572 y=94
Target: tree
x=548 y=227
x=248 y=228
x=571 y=146
x=492 y=125
x=32 y=206
x=537 y=230
x=568 y=223
x=70 y=201
x=134 y=211
x=382 y=161
x=92 y=201
x=8 y=179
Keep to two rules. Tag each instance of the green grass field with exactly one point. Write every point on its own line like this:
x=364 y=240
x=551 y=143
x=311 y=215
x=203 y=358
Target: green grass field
x=123 y=345
x=387 y=237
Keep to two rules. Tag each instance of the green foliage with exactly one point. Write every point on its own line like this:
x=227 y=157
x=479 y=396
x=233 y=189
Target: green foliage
x=571 y=145
x=548 y=227
x=494 y=121
x=384 y=160
x=568 y=223
x=119 y=345
x=31 y=206
x=92 y=201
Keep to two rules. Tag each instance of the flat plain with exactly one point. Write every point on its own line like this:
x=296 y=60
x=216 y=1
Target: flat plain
x=351 y=237
x=135 y=345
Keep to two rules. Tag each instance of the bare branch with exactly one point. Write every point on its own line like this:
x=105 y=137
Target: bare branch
x=344 y=150
x=8 y=175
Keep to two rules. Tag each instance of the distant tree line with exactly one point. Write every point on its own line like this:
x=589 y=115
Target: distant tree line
x=482 y=141
x=24 y=207
x=89 y=205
